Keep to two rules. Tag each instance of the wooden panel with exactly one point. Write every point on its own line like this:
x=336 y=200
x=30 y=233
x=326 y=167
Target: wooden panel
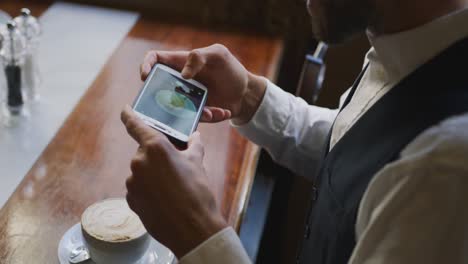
x=88 y=159
x=279 y=17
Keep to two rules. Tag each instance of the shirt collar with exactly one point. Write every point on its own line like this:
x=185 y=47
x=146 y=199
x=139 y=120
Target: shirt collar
x=402 y=53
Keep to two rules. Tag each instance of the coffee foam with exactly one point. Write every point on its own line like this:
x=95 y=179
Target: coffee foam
x=112 y=220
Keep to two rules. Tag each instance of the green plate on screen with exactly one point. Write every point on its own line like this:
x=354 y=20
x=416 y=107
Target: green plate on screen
x=175 y=104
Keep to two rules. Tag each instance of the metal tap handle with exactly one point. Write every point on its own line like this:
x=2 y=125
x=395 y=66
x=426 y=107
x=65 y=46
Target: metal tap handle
x=321 y=50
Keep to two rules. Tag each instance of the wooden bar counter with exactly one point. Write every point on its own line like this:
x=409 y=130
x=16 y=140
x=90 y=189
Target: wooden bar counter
x=88 y=159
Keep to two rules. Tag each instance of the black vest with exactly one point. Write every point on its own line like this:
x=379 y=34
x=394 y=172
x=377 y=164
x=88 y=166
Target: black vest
x=432 y=93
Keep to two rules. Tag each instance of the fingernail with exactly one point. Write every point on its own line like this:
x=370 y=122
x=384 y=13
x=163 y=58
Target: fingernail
x=185 y=74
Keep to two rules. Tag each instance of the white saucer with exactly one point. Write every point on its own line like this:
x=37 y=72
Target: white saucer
x=157 y=253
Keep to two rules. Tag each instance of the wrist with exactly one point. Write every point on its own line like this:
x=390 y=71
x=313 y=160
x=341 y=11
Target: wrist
x=200 y=228
x=256 y=88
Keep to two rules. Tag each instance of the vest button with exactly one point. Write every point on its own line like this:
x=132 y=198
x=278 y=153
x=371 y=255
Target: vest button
x=314 y=194
x=307 y=232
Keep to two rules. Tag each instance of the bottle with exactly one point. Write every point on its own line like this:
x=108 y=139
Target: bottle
x=29 y=26
x=4 y=18
x=12 y=54
x=2 y=74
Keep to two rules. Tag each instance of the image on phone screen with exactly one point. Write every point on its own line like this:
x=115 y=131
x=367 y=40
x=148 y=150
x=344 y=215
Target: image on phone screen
x=171 y=101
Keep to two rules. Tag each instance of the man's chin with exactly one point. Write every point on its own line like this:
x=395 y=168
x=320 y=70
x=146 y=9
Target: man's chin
x=332 y=36
x=322 y=34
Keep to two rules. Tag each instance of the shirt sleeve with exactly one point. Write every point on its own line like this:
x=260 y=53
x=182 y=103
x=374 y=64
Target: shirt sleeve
x=224 y=247
x=414 y=210
x=292 y=131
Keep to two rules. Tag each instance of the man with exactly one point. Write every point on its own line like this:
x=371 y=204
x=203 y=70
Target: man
x=392 y=175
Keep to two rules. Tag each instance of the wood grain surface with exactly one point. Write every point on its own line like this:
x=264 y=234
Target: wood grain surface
x=88 y=159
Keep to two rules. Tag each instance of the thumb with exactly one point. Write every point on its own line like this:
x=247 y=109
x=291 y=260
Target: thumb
x=138 y=129
x=195 y=145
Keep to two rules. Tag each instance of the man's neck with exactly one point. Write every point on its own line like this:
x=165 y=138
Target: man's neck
x=401 y=15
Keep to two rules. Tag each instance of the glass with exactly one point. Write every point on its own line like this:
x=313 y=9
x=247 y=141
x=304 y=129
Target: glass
x=29 y=26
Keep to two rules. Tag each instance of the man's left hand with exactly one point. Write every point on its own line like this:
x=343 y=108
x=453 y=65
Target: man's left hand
x=169 y=189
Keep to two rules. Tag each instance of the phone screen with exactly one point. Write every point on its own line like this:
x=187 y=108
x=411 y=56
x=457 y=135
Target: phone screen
x=171 y=101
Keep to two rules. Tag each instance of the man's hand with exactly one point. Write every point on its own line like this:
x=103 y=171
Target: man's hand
x=169 y=189
x=233 y=92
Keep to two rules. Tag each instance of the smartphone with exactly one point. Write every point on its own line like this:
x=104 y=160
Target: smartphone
x=171 y=104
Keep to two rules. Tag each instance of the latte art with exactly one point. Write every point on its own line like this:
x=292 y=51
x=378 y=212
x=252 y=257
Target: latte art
x=112 y=220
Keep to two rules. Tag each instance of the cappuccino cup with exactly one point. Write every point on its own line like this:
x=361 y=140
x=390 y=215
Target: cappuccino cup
x=113 y=233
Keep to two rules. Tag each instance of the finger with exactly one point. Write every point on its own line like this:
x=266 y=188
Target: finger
x=136 y=128
x=173 y=59
x=131 y=184
x=227 y=114
x=150 y=59
x=195 y=146
x=218 y=114
x=139 y=161
x=207 y=116
x=143 y=206
x=195 y=62
x=133 y=203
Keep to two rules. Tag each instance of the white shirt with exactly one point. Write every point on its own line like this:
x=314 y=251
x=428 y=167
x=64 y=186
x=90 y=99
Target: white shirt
x=414 y=209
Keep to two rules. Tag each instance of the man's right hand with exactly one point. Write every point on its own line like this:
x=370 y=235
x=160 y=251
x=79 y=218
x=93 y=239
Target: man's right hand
x=233 y=92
